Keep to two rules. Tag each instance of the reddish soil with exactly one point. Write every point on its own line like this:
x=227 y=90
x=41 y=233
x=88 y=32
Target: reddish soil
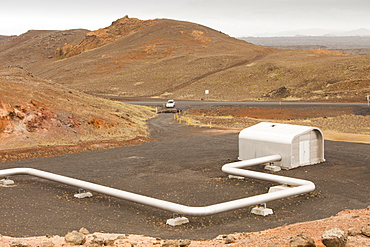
x=39 y=118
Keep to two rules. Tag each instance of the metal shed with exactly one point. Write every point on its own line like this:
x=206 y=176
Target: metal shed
x=297 y=145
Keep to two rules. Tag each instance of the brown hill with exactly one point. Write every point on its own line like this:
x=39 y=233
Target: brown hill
x=38 y=113
x=35 y=48
x=151 y=59
x=156 y=60
x=5 y=38
x=168 y=58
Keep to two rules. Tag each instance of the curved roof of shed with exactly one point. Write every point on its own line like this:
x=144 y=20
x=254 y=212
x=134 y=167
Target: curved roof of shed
x=275 y=132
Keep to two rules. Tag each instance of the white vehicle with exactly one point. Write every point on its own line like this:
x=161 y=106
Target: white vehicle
x=170 y=103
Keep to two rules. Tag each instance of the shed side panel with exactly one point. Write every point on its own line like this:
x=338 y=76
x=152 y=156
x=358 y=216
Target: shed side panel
x=316 y=147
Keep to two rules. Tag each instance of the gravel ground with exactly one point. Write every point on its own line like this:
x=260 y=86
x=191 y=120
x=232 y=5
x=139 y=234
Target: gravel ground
x=162 y=169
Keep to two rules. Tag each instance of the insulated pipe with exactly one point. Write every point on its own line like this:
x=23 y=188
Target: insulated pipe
x=302 y=186
x=234 y=169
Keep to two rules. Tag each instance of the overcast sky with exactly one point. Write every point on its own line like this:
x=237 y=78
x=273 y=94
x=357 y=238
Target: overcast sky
x=234 y=17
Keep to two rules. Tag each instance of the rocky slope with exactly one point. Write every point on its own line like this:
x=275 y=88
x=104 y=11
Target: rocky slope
x=39 y=113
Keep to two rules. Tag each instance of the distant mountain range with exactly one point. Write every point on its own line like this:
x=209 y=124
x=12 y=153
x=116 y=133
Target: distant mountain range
x=316 y=32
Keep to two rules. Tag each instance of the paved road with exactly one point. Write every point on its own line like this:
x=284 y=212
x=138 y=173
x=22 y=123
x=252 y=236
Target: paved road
x=358 y=108
x=183 y=165
x=194 y=103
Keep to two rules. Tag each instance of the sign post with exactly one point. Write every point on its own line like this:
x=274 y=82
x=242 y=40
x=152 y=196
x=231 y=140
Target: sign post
x=206 y=92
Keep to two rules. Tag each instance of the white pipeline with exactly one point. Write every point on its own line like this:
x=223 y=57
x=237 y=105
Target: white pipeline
x=299 y=187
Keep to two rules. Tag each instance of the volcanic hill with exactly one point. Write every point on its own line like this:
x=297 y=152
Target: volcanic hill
x=176 y=59
x=35 y=113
